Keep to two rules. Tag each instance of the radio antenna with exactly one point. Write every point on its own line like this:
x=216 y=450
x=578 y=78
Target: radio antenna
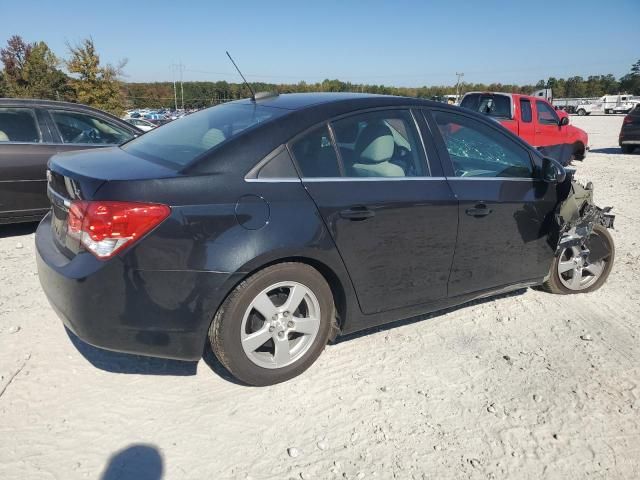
x=253 y=95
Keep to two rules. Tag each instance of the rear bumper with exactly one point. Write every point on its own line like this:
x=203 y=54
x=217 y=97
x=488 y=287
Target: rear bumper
x=113 y=305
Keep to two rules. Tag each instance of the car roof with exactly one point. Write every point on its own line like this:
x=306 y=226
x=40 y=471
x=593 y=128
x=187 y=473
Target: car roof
x=304 y=111
x=79 y=107
x=34 y=102
x=301 y=101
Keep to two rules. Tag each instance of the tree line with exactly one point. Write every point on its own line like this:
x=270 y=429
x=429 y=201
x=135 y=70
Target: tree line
x=32 y=70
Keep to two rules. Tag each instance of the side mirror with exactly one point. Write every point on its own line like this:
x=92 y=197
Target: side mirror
x=553 y=171
x=563 y=121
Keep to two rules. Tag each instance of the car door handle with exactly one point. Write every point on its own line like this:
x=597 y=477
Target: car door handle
x=479 y=210
x=357 y=213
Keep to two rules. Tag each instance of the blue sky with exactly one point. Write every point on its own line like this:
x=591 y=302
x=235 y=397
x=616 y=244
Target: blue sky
x=403 y=43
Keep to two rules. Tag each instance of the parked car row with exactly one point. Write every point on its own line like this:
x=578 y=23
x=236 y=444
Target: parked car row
x=268 y=227
x=31 y=131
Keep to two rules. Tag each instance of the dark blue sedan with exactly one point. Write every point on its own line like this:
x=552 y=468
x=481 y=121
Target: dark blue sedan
x=268 y=227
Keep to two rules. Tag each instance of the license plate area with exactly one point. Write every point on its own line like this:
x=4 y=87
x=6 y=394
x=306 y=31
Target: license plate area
x=69 y=246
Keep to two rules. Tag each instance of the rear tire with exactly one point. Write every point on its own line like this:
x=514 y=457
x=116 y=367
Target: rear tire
x=560 y=282
x=627 y=148
x=581 y=112
x=274 y=324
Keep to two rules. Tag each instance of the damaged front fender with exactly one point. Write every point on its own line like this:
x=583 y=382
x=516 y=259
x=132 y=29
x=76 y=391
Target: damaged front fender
x=576 y=216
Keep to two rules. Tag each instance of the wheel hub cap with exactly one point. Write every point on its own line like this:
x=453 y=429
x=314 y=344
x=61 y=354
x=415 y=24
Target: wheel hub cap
x=575 y=271
x=285 y=320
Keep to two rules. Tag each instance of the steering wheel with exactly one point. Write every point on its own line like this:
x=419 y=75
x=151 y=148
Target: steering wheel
x=90 y=135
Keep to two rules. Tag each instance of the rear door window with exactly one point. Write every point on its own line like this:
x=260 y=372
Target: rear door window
x=75 y=127
x=19 y=125
x=380 y=144
x=488 y=104
x=525 y=110
x=315 y=154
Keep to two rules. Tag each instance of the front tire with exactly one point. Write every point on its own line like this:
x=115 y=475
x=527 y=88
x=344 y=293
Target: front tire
x=273 y=325
x=570 y=273
x=582 y=112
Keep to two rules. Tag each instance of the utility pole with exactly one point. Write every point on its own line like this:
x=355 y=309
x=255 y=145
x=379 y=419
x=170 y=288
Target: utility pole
x=175 y=93
x=180 y=68
x=181 y=84
x=460 y=75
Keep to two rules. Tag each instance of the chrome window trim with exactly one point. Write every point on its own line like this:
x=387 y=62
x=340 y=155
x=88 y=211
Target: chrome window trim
x=383 y=179
x=367 y=179
x=273 y=180
x=22 y=181
x=28 y=143
x=508 y=179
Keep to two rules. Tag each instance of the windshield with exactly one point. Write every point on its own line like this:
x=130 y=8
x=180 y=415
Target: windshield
x=180 y=142
x=492 y=105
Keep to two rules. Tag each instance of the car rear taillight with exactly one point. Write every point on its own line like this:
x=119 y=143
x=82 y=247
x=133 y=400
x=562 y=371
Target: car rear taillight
x=106 y=227
x=627 y=119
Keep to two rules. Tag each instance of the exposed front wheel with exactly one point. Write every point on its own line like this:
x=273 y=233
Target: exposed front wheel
x=581 y=112
x=274 y=325
x=575 y=271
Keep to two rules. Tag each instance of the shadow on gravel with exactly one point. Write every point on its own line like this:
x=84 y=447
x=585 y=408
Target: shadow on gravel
x=420 y=318
x=607 y=151
x=136 y=462
x=116 y=362
x=17 y=229
x=214 y=364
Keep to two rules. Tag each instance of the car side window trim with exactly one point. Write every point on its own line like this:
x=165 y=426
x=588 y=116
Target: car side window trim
x=327 y=124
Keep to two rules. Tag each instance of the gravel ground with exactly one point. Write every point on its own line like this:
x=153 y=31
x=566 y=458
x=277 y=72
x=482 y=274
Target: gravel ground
x=528 y=385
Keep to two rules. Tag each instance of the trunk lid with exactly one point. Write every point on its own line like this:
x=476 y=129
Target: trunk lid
x=79 y=175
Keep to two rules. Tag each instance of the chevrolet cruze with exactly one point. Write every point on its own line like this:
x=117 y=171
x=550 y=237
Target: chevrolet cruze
x=269 y=226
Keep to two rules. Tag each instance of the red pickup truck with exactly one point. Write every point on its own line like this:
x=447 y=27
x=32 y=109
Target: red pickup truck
x=534 y=120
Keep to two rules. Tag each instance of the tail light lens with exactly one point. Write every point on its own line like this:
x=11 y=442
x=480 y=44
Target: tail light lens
x=105 y=228
x=627 y=119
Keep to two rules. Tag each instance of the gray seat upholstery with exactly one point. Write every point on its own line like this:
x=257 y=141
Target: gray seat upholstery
x=212 y=137
x=374 y=149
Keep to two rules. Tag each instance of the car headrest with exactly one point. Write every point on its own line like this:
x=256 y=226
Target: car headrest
x=212 y=137
x=3 y=137
x=375 y=144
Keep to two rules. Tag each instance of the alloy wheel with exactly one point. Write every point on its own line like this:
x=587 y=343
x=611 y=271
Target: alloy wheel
x=575 y=270
x=280 y=325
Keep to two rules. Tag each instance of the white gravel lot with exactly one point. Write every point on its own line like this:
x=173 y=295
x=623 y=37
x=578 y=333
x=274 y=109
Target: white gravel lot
x=505 y=388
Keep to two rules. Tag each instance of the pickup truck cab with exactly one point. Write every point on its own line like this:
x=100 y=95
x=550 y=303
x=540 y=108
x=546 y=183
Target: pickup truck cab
x=534 y=120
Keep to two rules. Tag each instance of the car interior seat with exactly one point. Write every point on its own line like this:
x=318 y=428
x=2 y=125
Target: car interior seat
x=212 y=137
x=4 y=137
x=374 y=150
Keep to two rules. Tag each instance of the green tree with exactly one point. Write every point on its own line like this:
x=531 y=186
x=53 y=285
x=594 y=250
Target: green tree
x=94 y=84
x=631 y=82
x=31 y=70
